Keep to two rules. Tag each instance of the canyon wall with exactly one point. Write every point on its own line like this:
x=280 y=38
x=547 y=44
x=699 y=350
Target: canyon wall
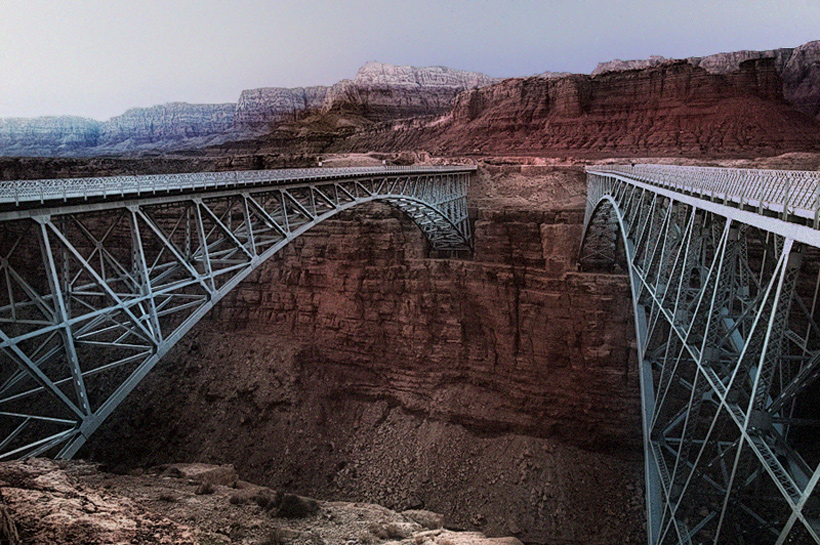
x=672 y=108
x=500 y=390
x=382 y=92
x=798 y=67
x=47 y=135
x=168 y=122
x=747 y=103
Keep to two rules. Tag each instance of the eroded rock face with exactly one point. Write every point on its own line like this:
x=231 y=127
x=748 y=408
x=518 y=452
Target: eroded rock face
x=172 y=121
x=672 y=108
x=379 y=92
x=383 y=91
x=47 y=135
x=798 y=68
x=618 y=65
x=801 y=78
x=261 y=107
x=378 y=73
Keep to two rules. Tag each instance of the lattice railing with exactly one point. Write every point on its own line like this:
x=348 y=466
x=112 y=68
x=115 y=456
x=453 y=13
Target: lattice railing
x=21 y=191
x=788 y=192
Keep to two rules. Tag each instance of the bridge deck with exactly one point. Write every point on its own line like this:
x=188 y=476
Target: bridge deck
x=64 y=189
x=789 y=193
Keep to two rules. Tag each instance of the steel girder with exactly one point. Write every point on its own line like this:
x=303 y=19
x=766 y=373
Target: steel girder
x=725 y=303
x=93 y=293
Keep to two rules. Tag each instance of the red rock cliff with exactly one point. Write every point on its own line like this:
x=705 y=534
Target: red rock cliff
x=670 y=108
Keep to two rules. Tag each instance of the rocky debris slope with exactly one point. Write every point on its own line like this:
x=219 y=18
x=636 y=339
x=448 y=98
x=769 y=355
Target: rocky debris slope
x=68 y=503
x=672 y=108
x=499 y=391
x=50 y=505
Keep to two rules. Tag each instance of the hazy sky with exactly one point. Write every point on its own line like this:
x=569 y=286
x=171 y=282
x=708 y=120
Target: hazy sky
x=96 y=58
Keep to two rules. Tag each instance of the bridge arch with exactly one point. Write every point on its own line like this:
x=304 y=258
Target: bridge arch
x=96 y=290
x=725 y=303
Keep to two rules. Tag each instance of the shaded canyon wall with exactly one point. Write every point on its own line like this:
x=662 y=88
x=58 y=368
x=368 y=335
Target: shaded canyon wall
x=499 y=390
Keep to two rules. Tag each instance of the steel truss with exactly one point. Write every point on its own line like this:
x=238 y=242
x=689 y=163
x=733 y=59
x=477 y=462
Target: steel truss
x=94 y=292
x=725 y=302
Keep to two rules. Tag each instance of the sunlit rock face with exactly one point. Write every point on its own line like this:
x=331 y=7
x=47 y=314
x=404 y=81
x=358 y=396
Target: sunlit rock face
x=173 y=121
x=258 y=108
x=383 y=91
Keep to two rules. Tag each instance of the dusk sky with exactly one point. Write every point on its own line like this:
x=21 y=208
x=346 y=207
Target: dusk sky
x=97 y=58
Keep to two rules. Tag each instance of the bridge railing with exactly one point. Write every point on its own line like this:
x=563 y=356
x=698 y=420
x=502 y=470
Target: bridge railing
x=786 y=192
x=20 y=191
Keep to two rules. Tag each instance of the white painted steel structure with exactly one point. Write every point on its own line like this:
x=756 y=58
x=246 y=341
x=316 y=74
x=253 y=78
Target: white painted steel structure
x=100 y=277
x=725 y=275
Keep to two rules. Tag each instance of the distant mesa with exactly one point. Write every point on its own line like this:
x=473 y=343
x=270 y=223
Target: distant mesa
x=424 y=107
x=379 y=92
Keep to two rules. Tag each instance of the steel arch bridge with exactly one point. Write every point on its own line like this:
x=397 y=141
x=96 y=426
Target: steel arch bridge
x=100 y=277
x=725 y=275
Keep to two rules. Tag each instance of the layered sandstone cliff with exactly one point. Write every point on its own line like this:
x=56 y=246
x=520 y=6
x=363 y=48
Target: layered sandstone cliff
x=799 y=69
x=671 y=108
x=383 y=92
x=158 y=127
x=258 y=108
x=47 y=135
x=166 y=123
x=379 y=92
x=801 y=78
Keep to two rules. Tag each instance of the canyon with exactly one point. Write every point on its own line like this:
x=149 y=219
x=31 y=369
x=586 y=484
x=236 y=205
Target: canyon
x=498 y=391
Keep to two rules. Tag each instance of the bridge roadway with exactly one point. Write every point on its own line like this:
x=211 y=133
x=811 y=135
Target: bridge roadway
x=100 y=277
x=725 y=276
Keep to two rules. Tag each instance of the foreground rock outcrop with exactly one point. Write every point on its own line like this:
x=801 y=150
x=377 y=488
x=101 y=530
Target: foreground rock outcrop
x=48 y=503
